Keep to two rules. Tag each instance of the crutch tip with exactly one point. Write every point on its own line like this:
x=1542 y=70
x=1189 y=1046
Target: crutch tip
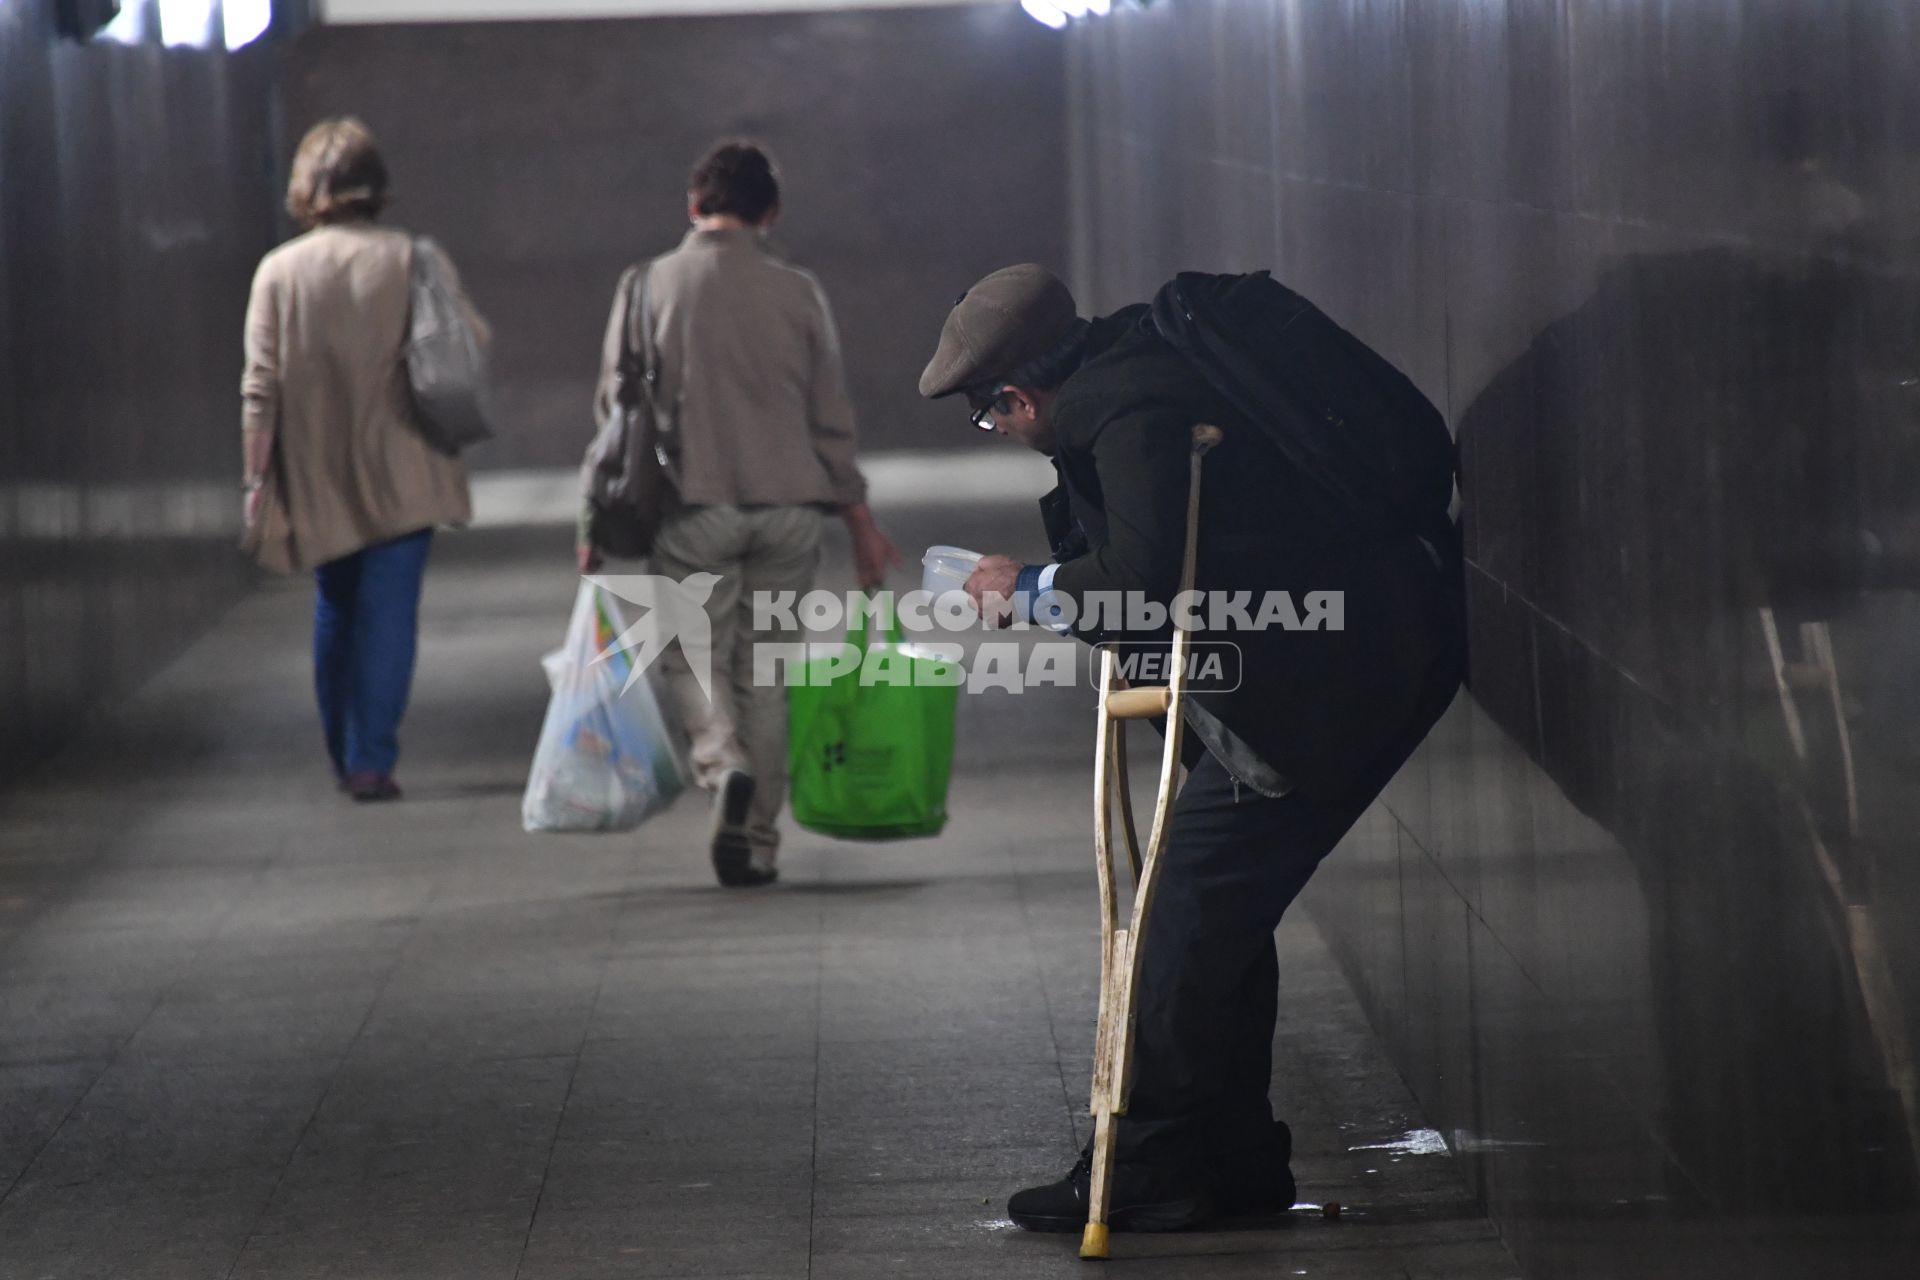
x=1093 y=1242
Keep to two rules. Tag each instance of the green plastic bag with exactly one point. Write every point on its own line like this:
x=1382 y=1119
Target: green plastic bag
x=870 y=737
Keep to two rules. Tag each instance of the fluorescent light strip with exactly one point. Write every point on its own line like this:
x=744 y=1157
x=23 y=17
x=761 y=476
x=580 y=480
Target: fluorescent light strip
x=186 y=22
x=245 y=21
x=1045 y=12
x=131 y=26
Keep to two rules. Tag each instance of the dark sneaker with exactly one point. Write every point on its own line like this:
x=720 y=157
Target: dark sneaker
x=370 y=788
x=1135 y=1205
x=752 y=878
x=1261 y=1185
x=732 y=852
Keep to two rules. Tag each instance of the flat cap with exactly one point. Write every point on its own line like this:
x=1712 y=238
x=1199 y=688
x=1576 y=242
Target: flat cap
x=1015 y=315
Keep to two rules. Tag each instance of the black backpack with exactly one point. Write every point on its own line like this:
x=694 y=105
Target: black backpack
x=1354 y=425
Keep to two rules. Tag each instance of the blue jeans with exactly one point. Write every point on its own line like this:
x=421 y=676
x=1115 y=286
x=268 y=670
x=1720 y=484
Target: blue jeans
x=365 y=621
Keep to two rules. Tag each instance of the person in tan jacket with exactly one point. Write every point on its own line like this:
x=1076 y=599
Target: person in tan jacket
x=339 y=481
x=749 y=362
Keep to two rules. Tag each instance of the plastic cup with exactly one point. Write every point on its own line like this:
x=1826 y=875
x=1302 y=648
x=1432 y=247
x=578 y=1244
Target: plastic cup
x=945 y=569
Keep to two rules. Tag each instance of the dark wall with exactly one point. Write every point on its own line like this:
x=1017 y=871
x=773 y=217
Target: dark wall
x=921 y=148
x=1638 y=921
x=134 y=201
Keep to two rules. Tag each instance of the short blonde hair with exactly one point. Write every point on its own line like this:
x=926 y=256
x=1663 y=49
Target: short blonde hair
x=338 y=174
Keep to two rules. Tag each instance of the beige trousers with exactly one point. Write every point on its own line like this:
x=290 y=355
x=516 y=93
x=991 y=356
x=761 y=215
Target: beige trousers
x=752 y=549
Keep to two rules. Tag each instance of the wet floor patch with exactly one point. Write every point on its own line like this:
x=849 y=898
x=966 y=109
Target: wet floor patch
x=1415 y=1142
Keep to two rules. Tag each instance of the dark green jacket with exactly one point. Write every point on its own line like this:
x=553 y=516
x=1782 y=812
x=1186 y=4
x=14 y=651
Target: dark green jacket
x=1311 y=704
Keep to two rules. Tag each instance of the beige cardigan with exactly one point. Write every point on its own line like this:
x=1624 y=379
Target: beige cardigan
x=326 y=373
x=750 y=376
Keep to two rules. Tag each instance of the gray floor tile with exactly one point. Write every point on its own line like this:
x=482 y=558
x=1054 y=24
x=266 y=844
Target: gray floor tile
x=208 y=1025
x=486 y=1103
x=148 y=1116
x=931 y=1201
x=724 y=1236
x=34 y=1100
x=112 y=1228
x=473 y=1246
x=994 y=1248
x=424 y=1030
x=616 y=1173
x=414 y=1178
x=69 y=1021
x=905 y=1156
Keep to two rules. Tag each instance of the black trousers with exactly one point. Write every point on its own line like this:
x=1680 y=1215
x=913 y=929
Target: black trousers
x=1234 y=861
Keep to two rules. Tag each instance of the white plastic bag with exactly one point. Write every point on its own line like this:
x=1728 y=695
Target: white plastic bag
x=606 y=760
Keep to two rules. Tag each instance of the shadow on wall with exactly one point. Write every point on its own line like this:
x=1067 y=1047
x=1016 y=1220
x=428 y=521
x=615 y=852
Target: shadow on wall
x=1726 y=676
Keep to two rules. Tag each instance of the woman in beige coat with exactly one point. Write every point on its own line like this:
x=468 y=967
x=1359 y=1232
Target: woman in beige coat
x=339 y=480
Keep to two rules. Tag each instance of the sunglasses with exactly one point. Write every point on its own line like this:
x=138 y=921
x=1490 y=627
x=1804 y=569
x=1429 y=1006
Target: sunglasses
x=985 y=405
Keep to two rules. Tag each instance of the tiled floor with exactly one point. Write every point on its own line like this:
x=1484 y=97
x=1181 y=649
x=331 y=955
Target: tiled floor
x=250 y=1030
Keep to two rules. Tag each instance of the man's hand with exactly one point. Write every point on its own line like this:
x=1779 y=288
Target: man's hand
x=588 y=558
x=991 y=587
x=873 y=552
x=250 y=505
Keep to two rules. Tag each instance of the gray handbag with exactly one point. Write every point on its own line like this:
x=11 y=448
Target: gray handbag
x=628 y=475
x=446 y=366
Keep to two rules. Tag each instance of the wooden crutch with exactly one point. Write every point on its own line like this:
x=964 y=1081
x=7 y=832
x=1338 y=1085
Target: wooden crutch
x=1120 y=948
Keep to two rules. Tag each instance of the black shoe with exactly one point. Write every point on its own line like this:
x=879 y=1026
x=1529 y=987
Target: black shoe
x=371 y=788
x=1138 y=1203
x=1260 y=1186
x=732 y=852
x=752 y=877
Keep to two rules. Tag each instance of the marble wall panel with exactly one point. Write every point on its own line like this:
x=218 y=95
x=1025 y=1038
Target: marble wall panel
x=136 y=195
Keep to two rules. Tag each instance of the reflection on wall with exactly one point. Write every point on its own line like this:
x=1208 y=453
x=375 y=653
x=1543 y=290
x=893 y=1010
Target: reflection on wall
x=920 y=149
x=1637 y=922
x=134 y=201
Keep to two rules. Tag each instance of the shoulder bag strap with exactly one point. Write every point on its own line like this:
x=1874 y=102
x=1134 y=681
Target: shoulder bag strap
x=639 y=373
x=639 y=352
x=631 y=369
x=648 y=382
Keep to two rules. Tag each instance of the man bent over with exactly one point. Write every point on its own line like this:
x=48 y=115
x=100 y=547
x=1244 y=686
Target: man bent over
x=1334 y=476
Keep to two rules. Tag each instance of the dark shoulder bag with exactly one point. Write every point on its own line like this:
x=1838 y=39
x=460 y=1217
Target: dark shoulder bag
x=628 y=477
x=446 y=364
